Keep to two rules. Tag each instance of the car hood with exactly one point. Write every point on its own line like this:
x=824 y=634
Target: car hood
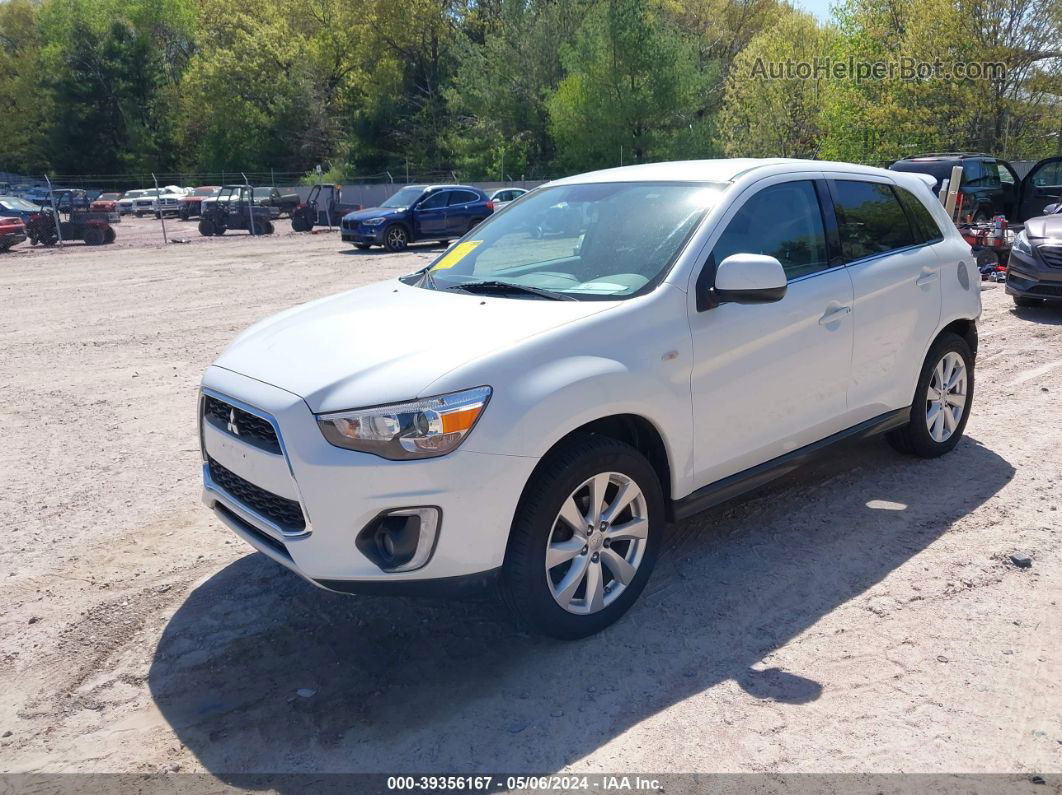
x=372 y=212
x=1045 y=226
x=387 y=342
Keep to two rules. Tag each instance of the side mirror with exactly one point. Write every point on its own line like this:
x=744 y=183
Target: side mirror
x=750 y=279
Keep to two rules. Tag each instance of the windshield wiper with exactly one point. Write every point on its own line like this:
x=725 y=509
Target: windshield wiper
x=509 y=287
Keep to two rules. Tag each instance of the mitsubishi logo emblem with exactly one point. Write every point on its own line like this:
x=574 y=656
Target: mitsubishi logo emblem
x=232 y=428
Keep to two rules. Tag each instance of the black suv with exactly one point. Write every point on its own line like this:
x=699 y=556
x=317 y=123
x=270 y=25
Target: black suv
x=990 y=186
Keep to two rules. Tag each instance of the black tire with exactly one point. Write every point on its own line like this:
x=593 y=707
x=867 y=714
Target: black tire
x=207 y=228
x=444 y=242
x=110 y=235
x=396 y=238
x=1027 y=303
x=158 y=216
x=473 y=224
x=268 y=228
x=914 y=437
x=183 y=214
x=300 y=223
x=5 y=246
x=363 y=246
x=93 y=236
x=524 y=579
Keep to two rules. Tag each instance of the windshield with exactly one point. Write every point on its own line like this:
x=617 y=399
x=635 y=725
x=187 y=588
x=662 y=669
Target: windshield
x=263 y=193
x=605 y=240
x=14 y=203
x=206 y=192
x=108 y=197
x=404 y=198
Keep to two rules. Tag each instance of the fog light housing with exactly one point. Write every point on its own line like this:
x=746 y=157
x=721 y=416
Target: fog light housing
x=402 y=539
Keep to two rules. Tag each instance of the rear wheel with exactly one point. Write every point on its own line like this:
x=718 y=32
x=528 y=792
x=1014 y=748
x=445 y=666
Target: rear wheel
x=93 y=236
x=362 y=246
x=396 y=238
x=942 y=400
x=1026 y=302
x=585 y=537
x=300 y=223
x=207 y=228
x=109 y=236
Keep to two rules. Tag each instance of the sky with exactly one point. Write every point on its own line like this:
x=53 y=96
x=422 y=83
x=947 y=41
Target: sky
x=820 y=8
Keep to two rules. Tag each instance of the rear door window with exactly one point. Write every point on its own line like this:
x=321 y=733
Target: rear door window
x=870 y=219
x=462 y=197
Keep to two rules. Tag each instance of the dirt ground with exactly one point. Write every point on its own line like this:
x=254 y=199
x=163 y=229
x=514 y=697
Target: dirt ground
x=861 y=615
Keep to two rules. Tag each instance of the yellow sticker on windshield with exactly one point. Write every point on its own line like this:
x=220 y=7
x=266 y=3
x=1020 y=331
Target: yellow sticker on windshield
x=460 y=251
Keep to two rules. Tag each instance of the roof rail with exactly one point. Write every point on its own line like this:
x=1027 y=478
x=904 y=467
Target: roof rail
x=949 y=154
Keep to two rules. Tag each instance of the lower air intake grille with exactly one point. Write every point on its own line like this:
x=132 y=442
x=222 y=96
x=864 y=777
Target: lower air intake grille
x=285 y=513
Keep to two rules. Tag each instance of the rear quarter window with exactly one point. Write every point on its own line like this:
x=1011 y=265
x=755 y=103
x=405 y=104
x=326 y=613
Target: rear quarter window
x=923 y=225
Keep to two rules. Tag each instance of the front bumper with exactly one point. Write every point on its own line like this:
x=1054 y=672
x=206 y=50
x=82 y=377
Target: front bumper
x=342 y=491
x=359 y=233
x=1032 y=276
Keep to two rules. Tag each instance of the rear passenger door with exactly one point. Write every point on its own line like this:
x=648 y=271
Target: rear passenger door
x=459 y=212
x=888 y=241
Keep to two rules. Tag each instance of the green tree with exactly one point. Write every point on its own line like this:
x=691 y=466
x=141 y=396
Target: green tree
x=771 y=108
x=633 y=88
x=24 y=101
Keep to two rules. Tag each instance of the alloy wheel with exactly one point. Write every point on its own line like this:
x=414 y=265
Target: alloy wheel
x=596 y=543
x=946 y=397
x=396 y=237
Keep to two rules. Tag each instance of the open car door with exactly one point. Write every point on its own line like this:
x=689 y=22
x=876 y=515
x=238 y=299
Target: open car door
x=1042 y=186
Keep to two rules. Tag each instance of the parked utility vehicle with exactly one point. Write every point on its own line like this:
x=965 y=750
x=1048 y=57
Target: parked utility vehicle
x=323 y=206
x=532 y=410
x=233 y=208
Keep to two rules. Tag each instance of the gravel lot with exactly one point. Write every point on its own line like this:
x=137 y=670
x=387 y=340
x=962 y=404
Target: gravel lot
x=861 y=615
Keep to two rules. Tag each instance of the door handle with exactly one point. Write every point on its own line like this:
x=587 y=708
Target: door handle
x=926 y=278
x=833 y=315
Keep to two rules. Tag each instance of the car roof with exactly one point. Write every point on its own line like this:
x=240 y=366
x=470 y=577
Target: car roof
x=447 y=187
x=721 y=170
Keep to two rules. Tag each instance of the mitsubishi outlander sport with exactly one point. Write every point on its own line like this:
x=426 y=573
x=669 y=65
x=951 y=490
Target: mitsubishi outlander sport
x=529 y=410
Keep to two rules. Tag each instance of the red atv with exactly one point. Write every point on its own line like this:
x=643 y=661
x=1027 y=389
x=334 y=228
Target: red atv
x=79 y=224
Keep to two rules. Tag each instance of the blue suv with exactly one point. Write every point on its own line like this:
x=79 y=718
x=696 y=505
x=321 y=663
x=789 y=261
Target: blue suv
x=417 y=212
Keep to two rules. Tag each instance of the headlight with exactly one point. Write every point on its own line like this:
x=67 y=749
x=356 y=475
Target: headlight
x=1021 y=243
x=418 y=429
x=374 y=221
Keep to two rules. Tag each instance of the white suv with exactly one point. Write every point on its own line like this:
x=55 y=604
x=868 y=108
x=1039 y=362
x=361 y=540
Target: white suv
x=614 y=351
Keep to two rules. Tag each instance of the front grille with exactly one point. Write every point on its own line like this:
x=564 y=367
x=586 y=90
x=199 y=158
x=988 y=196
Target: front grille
x=285 y=513
x=248 y=427
x=1052 y=255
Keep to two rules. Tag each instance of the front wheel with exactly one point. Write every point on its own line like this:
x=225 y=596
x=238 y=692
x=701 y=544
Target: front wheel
x=207 y=228
x=93 y=236
x=362 y=246
x=396 y=238
x=942 y=400
x=585 y=537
